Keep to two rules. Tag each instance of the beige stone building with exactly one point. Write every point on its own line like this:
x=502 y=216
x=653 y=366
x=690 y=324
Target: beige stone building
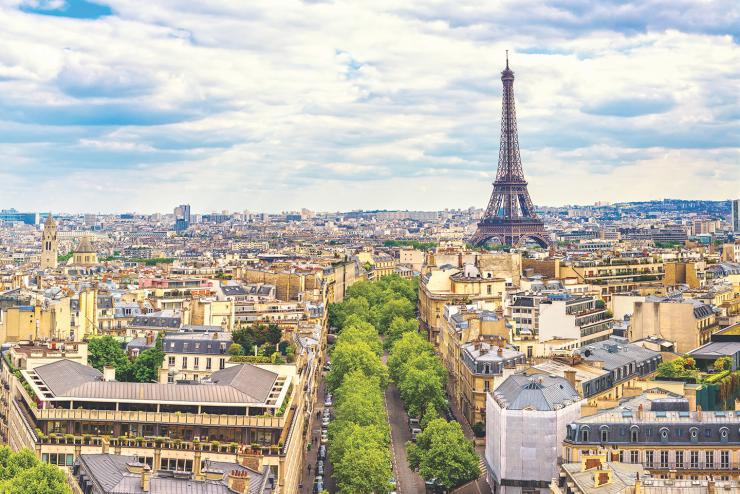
x=482 y=281
x=688 y=323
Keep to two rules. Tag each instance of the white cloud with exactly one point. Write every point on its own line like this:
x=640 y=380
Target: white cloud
x=277 y=105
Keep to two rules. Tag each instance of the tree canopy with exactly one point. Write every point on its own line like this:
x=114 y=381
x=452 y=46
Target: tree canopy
x=443 y=453
x=23 y=473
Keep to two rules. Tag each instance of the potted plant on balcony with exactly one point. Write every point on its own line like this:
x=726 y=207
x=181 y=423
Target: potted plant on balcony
x=86 y=438
x=233 y=447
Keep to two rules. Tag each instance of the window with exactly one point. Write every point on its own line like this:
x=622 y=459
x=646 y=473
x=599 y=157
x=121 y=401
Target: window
x=208 y=363
x=605 y=435
x=222 y=363
x=184 y=362
x=486 y=386
x=584 y=435
x=488 y=289
x=649 y=458
x=664 y=459
x=634 y=457
x=634 y=434
x=724 y=459
x=694 y=459
x=196 y=362
x=679 y=459
x=171 y=361
x=709 y=459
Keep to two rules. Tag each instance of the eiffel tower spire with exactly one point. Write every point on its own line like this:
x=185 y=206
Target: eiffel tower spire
x=510 y=217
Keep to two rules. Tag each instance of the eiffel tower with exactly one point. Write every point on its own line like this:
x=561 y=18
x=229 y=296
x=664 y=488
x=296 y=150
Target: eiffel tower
x=510 y=218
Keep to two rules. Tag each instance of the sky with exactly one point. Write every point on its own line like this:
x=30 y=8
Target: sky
x=274 y=105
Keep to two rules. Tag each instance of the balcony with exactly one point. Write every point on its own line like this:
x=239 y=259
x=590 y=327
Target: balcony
x=202 y=419
x=657 y=465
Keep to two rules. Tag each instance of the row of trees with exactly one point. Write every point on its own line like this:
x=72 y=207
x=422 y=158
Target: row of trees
x=360 y=433
x=106 y=350
x=23 y=473
x=441 y=451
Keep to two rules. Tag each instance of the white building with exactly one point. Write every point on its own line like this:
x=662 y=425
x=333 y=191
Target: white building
x=526 y=420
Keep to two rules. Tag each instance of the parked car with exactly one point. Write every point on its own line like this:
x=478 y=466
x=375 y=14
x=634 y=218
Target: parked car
x=322 y=452
x=328 y=402
x=414 y=424
x=325 y=421
x=320 y=469
x=414 y=433
x=318 y=486
x=324 y=438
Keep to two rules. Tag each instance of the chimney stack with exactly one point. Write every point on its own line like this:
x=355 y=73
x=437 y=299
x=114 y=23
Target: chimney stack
x=238 y=481
x=500 y=351
x=570 y=376
x=149 y=338
x=109 y=373
x=146 y=475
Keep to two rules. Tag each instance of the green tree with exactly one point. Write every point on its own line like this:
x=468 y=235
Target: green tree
x=359 y=400
x=362 y=332
x=398 y=327
x=274 y=333
x=421 y=385
x=245 y=338
x=441 y=452
x=355 y=306
x=235 y=349
x=722 y=363
x=23 y=473
x=105 y=350
x=364 y=470
x=382 y=315
x=348 y=357
x=408 y=346
x=145 y=368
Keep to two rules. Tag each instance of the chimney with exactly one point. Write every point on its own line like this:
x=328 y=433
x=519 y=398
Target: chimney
x=711 y=486
x=500 y=351
x=146 y=475
x=215 y=335
x=570 y=376
x=150 y=338
x=238 y=482
x=638 y=484
x=639 y=412
x=460 y=260
x=109 y=373
x=698 y=413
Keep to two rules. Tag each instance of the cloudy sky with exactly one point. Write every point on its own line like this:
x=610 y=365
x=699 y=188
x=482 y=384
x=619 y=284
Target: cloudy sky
x=335 y=105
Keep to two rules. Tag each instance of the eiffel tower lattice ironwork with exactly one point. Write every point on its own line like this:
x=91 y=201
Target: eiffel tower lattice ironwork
x=510 y=218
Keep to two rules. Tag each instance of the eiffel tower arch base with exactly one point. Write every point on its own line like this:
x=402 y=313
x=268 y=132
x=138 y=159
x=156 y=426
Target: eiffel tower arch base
x=515 y=237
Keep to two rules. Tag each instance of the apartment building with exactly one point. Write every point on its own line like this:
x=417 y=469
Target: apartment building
x=193 y=355
x=664 y=436
x=571 y=322
x=689 y=323
x=253 y=415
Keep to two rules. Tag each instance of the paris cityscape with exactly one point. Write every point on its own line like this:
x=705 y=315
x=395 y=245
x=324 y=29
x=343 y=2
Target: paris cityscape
x=313 y=247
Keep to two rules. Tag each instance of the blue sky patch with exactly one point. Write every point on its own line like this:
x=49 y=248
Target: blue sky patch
x=76 y=9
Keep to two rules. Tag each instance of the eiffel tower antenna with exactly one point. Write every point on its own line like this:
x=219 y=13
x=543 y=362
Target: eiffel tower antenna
x=510 y=218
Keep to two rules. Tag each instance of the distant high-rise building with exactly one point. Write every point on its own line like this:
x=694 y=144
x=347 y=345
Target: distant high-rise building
x=182 y=217
x=736 y=215
x=49 y=244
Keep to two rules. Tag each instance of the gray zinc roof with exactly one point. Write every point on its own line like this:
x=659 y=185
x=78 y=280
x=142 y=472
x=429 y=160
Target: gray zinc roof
x=242 y=384
x=542 y=393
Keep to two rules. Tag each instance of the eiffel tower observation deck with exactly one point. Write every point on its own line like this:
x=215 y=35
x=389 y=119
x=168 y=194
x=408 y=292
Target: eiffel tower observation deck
x=510 y=218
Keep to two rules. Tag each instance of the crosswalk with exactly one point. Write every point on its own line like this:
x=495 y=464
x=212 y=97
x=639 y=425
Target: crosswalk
x=482 y=466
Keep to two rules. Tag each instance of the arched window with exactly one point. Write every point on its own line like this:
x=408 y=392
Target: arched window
x=664 y=434
x=584 y=434
x=604 y=434
x=634 y=434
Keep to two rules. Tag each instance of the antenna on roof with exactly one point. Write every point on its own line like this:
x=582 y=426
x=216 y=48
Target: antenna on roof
x=507 y=59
